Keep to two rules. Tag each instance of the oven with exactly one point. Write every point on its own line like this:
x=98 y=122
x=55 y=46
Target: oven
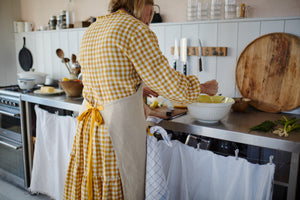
x=13 y=165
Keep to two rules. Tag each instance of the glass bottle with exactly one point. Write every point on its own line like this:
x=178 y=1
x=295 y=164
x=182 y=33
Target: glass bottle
x=70 y=14
x=216 y=9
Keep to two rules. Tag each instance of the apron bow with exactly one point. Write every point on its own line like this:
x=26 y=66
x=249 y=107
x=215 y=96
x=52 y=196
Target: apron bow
x=94 y=112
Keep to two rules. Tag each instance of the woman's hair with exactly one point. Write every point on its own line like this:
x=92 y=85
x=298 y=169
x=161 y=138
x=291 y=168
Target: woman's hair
x=134 y=7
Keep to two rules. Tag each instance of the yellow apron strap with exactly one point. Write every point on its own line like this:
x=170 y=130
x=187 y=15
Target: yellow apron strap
x=148 y=129
x=96 y=118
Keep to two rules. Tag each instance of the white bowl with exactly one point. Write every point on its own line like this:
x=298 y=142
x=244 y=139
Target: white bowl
x=210 y=112
x=38 y=76
x=26 y=83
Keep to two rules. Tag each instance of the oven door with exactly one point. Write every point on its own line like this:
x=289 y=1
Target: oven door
x=11 y=147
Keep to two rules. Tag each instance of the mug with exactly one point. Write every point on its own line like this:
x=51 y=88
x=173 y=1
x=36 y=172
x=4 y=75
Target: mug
x=18 y=26
x=28 y=26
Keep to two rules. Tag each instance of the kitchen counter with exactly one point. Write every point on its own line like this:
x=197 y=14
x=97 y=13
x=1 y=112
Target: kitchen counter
x=56 y=101
x=234 y=127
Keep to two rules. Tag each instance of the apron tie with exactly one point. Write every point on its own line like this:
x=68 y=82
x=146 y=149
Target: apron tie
x=94 y=112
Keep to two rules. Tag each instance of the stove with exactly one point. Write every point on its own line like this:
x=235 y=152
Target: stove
x=13 y=156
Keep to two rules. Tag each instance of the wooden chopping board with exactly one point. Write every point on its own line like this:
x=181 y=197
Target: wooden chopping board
x=268 y=72
x=161 y=112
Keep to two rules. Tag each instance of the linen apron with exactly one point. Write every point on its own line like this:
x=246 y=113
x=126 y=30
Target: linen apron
x=127 y=126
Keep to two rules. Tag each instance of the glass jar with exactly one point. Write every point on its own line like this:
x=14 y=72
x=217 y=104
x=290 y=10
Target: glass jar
x=191 y=12
x=52 y=23
x=203 y=10
x=216 y=9
x=230 y=9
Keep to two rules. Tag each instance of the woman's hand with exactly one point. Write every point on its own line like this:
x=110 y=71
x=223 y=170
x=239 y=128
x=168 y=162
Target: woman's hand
x=209 y=87
x=147 y=92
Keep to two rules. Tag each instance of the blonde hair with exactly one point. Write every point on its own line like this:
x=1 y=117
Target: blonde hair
x=134 y=7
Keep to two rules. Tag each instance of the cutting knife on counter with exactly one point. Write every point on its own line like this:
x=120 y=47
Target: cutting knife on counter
x=176 y=54
x=183 y=54
x=200 y=54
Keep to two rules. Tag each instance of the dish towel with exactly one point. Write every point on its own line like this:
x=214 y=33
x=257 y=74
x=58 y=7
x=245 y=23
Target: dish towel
x=200 y=174
x=156 y=183
x=54 y=140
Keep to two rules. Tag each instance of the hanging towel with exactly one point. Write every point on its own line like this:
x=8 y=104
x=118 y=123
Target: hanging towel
x=200 y=174
x=156 y=183
x=54 y=139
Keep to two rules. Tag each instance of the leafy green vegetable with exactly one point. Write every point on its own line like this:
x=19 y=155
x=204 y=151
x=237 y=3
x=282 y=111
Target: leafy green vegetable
x=265 y=126
x=288 y=126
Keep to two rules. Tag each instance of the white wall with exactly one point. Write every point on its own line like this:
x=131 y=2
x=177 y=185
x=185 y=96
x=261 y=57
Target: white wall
x=9 y=10
x=234 y=34
x=39 y=11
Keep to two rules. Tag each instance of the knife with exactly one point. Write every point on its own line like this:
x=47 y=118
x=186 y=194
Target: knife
x=200 y=54
x=176 y=55
x=183 y=54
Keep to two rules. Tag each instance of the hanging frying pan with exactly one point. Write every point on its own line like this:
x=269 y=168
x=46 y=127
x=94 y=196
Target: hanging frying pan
x=25 y=57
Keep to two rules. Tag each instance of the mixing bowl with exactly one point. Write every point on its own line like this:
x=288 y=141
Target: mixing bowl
x=72 y=88
x=26 y=83
x=210 y=109
x=241 y=104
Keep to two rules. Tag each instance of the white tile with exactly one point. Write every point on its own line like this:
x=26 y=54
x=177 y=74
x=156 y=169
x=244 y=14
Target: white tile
x=208 y=34
x=172 y=32
x=272 y=26
x=190 y=31
x=227 y=34
x=292 y=27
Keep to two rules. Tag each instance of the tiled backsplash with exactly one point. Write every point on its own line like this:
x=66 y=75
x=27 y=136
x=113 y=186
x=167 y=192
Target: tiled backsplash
x=233 y=34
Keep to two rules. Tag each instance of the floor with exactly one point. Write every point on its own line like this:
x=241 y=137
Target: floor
x=9 y=191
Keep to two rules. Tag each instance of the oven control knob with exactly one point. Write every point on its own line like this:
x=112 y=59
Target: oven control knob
x=13 y=104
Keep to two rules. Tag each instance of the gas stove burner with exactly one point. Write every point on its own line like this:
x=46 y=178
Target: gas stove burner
x=14 y=88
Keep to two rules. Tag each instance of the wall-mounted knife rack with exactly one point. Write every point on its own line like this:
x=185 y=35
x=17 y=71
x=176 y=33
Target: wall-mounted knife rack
x=206 y=51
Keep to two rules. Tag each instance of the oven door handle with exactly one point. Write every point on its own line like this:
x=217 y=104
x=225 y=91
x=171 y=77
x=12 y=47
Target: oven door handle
x=9 y=114
x=11 y=145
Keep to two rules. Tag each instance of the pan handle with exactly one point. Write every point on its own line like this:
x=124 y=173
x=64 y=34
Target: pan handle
x=24 y=41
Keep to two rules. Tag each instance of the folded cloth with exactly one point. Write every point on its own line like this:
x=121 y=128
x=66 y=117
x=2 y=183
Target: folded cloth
x=54 y=139
x=156 y=184
x=200 y=174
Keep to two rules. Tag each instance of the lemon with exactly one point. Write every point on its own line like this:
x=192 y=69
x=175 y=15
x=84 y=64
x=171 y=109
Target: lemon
x=154 y=104
x=65 y=79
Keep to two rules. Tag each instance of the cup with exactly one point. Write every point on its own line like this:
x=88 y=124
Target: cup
x=203 y=10
x=18 y=26
x=230 y=9
x=191 y=10
x=216 y=9
x=28 y=26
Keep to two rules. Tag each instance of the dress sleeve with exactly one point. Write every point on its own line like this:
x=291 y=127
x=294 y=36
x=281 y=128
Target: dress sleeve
x=154 y=69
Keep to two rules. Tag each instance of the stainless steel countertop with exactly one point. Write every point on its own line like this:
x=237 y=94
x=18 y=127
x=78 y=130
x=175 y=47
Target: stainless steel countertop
x=234 y=127
x=57 y=101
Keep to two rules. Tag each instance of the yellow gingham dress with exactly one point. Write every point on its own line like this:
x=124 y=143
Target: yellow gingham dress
x=117 y=53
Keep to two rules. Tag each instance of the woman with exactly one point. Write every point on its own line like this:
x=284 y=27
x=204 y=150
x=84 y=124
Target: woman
x=118 y=53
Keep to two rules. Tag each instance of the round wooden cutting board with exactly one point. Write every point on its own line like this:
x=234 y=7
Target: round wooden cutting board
x=268 y=72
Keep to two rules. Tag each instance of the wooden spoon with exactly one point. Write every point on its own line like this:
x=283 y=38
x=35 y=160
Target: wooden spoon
x=60 y=54
x=73 y=58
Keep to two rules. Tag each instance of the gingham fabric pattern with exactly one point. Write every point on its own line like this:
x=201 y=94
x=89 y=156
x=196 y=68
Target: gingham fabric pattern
x=117 y=52
x=156 y=182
